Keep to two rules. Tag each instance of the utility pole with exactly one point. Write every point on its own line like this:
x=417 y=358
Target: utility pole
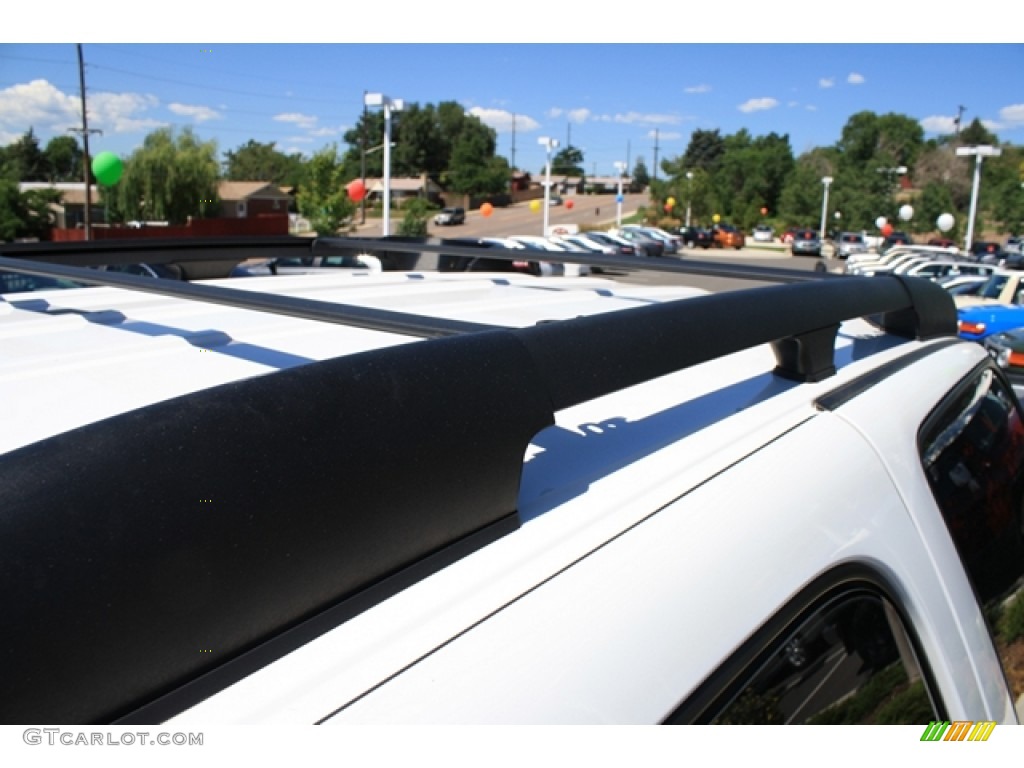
x=85 y=131
x=655 y=176
x=959 y=115
x=513 y=158
x=362 y=138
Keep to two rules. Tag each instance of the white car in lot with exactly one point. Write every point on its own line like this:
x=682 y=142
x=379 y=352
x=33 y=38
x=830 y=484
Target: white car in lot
x=763 y=234
x=415 y=497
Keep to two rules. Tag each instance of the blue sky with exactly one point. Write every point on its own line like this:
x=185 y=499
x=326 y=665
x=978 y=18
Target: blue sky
x=614 y=101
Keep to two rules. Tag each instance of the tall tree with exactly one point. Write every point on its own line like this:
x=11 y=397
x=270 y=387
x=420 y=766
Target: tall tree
x=704 y=150
x=169 y=178
x=976 y=133
x=322 y=199
x=63 y=159
x=255 y=161
x=568 y=161
x=24 y=160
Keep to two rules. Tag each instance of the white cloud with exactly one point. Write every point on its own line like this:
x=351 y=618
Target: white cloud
x=758 y=105
x=645 y=118
x=939 y=124
x=702 y=88
x=855 y=78
x=792 y=103
x=1012 y=115
x=328 y=130
x=811 y=108
x=41 y=105
x=198 y=113
x=297 y=118
x=826 y=82
x=555 y=112
x=504 y=121
x=579 y=115
x=301 y=139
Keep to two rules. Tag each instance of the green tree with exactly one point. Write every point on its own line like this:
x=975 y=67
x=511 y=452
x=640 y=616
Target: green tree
x=25 y=214
x=568 y=161
x=976 y=134
x=704 y=150
x=24 y=160
x=641 y=176
x=415 y=215
x=323 y=199
x=934 y=200
x=255 y=161
x=63 y=159
x=169 y=178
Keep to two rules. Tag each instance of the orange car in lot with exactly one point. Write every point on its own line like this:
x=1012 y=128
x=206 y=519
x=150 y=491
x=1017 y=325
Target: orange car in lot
x=727 y=236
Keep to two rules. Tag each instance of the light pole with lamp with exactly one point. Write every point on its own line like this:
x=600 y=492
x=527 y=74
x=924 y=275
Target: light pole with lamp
x=548 y=144
x=621 y=168
x=979 y=152
x=390 y=105
x=898 y=170
x=824 y=206
x=689 y=195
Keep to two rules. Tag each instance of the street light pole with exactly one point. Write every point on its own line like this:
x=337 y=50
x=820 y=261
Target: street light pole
x=621 y=168
x=824 y=206
x=689 y=196
x=548 y=144
x=889 y=173
x=979 y=152
x=390 y=105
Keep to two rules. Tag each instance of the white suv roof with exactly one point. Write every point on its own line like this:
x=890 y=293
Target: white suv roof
x=420 y=497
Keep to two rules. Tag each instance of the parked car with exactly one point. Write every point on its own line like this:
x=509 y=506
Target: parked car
x=450 y=216
x=978 y=321
x=789 y=235
x=429 y=498
x=1014 y=245
x=932 y=269
x=986 y=252
x=806 y=243
x=894 y=239
x=849 y=243
x=943 y=242
x=728 y=236
x=670 y=242
x=697 y=237
x=653 y=246
x=1001 y=287
x=623 y=246
x=1007 y=349
x=763 y=234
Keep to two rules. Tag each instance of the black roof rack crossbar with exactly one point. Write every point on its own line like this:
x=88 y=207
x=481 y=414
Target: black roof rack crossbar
x=232 y=518
x=94 y=253
x=686 y=266
x=421 y=326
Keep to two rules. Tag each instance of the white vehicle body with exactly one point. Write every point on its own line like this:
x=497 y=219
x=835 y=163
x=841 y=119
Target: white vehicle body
x=676 y=518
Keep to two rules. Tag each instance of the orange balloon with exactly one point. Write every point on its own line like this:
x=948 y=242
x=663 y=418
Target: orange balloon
x=568 y=204
x=486 y=210
x=535 y=205
x=887 y=229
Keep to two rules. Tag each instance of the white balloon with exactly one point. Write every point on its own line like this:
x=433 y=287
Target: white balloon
x=881 y=221
x=906 y=212
x=945 y=222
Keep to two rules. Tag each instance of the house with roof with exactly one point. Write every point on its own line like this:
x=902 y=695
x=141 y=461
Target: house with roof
x=248 y=199
x=70 y=211
x=404 y=188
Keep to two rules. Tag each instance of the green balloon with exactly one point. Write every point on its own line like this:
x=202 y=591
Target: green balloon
x=107 y=168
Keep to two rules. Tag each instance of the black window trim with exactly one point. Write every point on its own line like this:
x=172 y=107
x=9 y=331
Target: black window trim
x=727 y=681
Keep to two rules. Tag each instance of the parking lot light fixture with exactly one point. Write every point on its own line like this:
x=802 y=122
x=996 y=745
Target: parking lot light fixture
x=549 y=144
x=389 y=105
x=621 y=168
x=979 y=152
x=689 y=195
x=824 y=206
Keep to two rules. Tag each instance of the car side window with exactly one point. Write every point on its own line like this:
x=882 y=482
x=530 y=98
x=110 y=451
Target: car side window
x=972 y=450
x=848 y=662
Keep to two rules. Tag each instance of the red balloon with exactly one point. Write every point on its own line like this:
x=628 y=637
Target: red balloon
x=569 y=204
x=356 y=190
x=668 y=208
x=764 y=211
x=887 y=230
x=486 y=210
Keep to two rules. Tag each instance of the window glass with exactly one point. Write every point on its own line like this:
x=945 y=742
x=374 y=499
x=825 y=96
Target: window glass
x=850 y=662
x=973 y=456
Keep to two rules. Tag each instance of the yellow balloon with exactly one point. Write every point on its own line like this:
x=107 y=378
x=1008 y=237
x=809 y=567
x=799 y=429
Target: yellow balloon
x=671 y=202
x=716 y=218
x=535 y=205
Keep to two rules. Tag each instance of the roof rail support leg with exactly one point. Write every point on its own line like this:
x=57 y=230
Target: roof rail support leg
x=807 y=356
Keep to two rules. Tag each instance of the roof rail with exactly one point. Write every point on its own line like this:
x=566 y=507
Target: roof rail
x=148 y=576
